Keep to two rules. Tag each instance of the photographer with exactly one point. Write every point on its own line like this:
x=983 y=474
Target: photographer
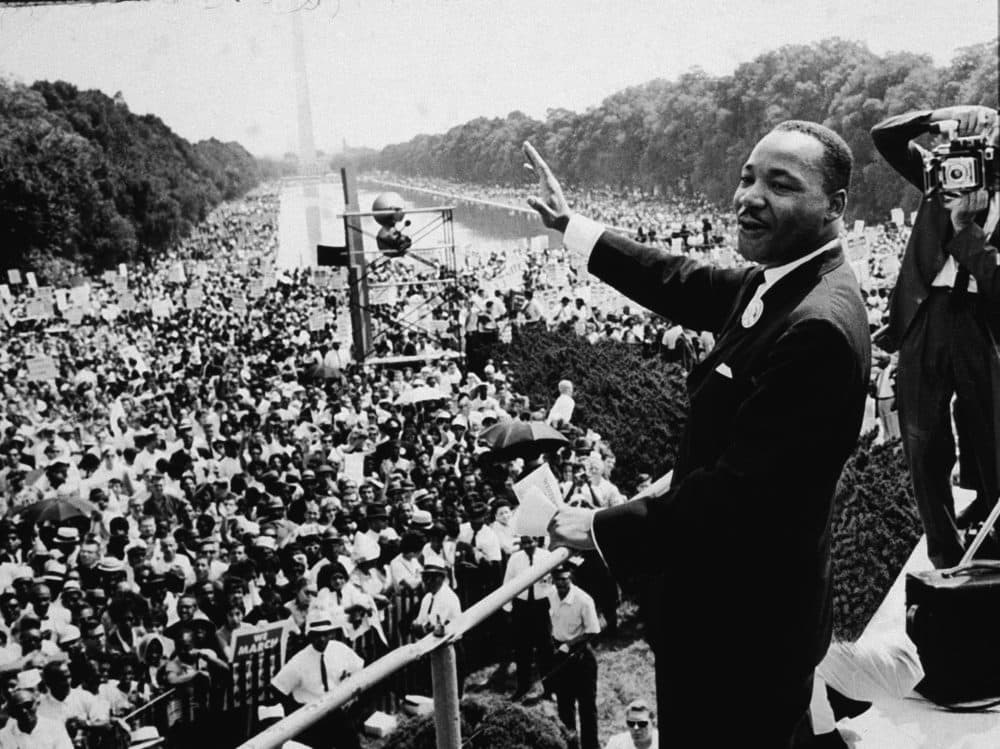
x=944 y=318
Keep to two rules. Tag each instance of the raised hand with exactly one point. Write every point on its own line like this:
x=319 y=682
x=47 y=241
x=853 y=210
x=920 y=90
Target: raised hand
x=972 y=120
x=550 y=202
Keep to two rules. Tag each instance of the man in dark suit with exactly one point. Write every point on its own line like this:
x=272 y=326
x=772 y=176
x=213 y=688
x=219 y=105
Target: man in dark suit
x=738 y=546
x=944 y=319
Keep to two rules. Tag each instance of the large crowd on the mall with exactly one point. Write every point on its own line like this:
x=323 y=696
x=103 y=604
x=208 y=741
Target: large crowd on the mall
x=188 y=449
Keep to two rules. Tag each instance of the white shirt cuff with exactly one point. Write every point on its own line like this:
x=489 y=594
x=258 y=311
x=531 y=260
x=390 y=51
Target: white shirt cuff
x=593 y=538
x=582 y=234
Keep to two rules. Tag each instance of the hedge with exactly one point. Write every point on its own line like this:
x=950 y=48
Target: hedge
x=638 y=404
x=488 y=722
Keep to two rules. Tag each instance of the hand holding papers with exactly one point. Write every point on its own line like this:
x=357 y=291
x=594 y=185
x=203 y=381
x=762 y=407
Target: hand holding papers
x=538 y=495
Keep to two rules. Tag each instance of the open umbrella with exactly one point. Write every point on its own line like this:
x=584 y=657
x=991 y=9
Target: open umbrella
x=521 y=439
x=57 y=510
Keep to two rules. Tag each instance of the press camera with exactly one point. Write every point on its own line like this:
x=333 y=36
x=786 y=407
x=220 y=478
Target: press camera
x=962 y=165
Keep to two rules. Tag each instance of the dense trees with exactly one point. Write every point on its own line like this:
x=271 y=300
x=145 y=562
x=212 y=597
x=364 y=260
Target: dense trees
x=691 y=134
x=85 y=182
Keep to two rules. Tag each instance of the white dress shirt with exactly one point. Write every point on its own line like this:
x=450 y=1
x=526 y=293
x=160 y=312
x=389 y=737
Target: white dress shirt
x=302 y=676
x=517 y=564
x=487 y=542
x=47 y=734
x=573 y=615
x=438 y=608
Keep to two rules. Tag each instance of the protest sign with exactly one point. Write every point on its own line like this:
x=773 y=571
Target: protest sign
x=258 y=654
x=73 y=315
x=897 y=217
x=5 y=292
x=109 y=277
x=32 y=281
x=256 y=289
x=160 y=308
x=14 y=276
x=127 y=302
x=123 y=270
x=177 y=274
x=318 y=321
x=193 y=298
x=41 y=368
x=36 y=309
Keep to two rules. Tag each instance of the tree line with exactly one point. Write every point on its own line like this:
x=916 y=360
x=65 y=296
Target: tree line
x=689 y=136
x=86 y=184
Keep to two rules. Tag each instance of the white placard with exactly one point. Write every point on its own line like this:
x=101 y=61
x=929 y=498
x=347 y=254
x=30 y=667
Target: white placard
x=32 y=281
x=14 y=276
x=318 y=321
x=539 y=498
x=160 y=308
x=5 y=291
x=859 y=226
x=73 y=315
x=193 y=298
x=41 y=368
x=897 y=217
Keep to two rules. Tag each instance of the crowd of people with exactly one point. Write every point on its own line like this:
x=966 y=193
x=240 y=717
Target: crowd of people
x=189 y=449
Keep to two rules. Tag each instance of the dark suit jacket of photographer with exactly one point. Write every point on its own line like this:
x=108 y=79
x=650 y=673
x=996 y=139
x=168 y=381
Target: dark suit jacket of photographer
x=741 y=542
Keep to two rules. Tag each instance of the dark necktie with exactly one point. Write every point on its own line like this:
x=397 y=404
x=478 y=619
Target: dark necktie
x=531 y=588
x=961 y=287
x=322 y=672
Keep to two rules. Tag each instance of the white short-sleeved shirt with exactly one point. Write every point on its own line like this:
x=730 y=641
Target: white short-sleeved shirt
x=302 y=676
x=443 y=607
x=573 y=615
x=487 y=542
x=48 y=734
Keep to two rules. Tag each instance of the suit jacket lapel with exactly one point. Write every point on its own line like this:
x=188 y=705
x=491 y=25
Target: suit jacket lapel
x=791 y=287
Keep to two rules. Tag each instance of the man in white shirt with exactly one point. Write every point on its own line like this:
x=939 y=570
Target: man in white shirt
x=640 y=734
x=440 y=605
x=574 y=674
x=529 y=623
x=26 y=730
x=61 y=702
x=312 y=673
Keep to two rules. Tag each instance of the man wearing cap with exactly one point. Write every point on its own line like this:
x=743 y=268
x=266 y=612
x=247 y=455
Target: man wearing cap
x=27 y=730
x=311 y=674
x=640 y=734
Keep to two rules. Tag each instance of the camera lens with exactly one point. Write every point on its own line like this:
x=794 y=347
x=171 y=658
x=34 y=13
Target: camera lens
x=956 y=173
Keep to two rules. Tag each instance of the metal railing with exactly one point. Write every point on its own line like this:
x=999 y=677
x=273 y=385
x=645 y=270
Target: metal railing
x=444 y=673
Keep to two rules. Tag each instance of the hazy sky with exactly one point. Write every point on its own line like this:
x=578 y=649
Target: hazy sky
x=381 y=71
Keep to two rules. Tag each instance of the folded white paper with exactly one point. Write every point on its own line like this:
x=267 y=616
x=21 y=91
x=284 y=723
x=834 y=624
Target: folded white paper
x=538 y=494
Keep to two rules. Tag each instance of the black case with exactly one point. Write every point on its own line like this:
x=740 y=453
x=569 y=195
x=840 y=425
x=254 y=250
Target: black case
x=953 y=617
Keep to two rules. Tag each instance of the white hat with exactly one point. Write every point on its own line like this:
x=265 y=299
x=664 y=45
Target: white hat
x=319 y=622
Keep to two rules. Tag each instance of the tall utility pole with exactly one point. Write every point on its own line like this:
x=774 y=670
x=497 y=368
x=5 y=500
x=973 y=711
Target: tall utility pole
x=307 y=144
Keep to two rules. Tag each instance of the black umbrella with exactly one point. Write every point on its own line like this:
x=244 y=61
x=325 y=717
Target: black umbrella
x=521 y=439
x=57 y=510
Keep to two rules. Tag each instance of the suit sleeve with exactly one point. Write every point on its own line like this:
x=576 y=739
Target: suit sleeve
x=894 y=140
x=696 y=295
x=971 y=249
x=781 y=432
